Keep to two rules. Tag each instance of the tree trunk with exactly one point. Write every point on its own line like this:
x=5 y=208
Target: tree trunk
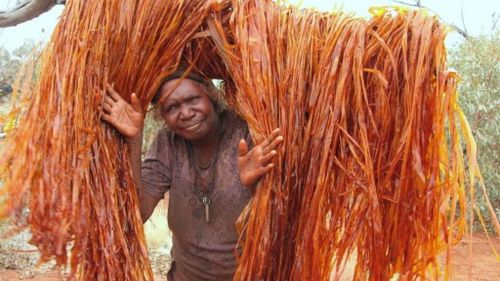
x=25 y=11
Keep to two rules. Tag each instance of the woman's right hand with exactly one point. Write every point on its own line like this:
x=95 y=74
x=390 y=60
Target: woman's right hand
x=126 y=118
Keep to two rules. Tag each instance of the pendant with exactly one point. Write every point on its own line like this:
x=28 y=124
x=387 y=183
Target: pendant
x=206 y=201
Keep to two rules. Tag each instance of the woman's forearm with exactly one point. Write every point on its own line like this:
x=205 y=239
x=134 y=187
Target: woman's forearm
x=146 y=203
x=134 y=146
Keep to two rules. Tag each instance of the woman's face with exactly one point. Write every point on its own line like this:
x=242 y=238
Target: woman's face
x=187 y=111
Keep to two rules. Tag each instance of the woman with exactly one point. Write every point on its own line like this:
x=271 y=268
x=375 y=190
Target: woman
x=194 y=158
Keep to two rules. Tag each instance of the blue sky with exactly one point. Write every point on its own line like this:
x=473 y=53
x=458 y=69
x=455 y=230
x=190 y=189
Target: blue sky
x=477 y=15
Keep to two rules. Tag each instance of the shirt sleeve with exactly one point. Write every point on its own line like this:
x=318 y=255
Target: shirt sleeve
x=156 y=170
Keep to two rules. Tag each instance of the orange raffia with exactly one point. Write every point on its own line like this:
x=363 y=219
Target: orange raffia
x=372 y=165
x=70 y=169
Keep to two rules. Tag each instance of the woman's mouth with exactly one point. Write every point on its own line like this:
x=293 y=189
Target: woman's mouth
x=193 y=127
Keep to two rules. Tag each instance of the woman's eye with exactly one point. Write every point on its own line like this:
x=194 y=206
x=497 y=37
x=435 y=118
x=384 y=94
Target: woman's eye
x=171 y=108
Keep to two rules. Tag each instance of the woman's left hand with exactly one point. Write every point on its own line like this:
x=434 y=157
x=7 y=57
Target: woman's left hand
x=257 y=162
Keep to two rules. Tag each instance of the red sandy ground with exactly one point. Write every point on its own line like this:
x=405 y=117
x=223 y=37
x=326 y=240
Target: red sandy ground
x=11 y=275
x=486 y=266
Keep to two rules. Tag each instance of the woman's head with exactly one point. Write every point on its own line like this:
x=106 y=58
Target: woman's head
x=189 y=106
x=214 y=94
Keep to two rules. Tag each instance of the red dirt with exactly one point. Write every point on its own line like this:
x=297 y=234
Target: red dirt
x=12 y=275
x=486 y=266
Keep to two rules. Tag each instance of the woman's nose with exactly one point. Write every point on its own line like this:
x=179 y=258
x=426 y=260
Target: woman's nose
x=186 y=112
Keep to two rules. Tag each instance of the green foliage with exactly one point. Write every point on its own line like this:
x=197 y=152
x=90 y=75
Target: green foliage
x=10 y=64
x=477 y=60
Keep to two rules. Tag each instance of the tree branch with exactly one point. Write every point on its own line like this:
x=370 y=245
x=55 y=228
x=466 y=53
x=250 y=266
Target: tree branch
x=26 y=10
x=418 y=4
x=463 y=18
x=495 y=21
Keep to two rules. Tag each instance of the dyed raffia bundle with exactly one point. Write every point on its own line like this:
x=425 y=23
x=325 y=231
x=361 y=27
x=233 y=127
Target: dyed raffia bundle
x=372 y=161
x=65 y=164
x=366 y=108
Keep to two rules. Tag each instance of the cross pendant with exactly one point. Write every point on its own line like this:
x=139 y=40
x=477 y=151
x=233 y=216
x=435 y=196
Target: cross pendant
x=206 y=201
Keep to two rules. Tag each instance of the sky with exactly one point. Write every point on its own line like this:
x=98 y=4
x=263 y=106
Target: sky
x=477 y=16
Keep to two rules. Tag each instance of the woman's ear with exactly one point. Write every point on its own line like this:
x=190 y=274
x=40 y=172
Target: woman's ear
x=157 y=116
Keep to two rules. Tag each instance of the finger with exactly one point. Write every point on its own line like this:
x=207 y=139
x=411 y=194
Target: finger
x=274 y=134
x=106 y=108
x=275 y=143
x=106 y=117
x=266 y=159
x=109 y=99
x=136 y=104
x=242 y=148
x=112 y=93
x=264 y=170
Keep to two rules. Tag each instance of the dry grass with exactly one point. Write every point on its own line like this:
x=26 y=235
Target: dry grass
x=158 y=235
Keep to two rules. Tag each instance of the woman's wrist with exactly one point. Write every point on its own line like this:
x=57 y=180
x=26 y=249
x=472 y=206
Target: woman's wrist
x=135 y=139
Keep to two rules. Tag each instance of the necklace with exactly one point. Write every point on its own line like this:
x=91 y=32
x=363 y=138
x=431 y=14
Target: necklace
x=203 y=187
x=197 y=162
